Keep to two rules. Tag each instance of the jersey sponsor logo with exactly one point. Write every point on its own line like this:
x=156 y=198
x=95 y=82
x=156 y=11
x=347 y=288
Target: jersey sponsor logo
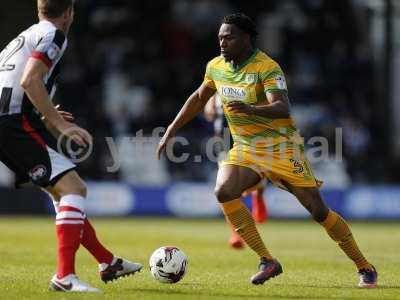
x=37 y=172
x=251 y=78
x=233 y=93
x=281 y=82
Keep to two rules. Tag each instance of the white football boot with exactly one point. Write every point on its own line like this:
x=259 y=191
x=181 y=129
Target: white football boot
x=118 y=268
x=71 y=283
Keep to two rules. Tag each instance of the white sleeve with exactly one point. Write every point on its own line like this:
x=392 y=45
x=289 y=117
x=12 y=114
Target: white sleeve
x=49 y=48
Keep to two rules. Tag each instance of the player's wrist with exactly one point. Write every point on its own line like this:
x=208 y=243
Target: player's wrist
x=171 y=130
x=60 y=124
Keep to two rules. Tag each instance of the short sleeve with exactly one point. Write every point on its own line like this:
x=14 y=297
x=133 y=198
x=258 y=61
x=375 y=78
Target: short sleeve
x=208 y=80
x=273 y=79
x=50 y=48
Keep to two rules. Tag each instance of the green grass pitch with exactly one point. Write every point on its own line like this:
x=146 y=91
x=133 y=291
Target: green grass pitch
x=314 y=267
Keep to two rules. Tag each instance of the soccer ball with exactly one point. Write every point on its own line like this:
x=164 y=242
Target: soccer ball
x=168 y=264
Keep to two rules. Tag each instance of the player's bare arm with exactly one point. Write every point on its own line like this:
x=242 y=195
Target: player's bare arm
x=193 y=105
x=210 y=112
x=277 y=108
x=67 y=116
x=32 y=83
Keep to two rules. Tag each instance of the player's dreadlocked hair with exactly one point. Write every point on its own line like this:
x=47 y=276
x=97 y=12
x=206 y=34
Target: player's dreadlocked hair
x=244 y=23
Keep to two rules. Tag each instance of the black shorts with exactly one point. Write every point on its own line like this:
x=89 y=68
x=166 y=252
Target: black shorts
x=29 y=150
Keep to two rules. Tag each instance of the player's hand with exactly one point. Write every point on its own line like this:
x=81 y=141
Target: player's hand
x=75 y=133
x=164 y=141
x=239 y=107
x=67 y=116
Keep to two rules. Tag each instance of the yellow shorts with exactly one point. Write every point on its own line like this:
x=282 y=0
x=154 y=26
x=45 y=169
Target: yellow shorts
x=289 y=166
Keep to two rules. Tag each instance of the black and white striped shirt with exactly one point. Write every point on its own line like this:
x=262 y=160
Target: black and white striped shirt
x=41 y=41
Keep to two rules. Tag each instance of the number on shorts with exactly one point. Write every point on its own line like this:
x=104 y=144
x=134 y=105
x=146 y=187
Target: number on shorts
x=297 y=165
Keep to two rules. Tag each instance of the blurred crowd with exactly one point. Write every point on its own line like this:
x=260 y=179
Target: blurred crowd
x=132 y=64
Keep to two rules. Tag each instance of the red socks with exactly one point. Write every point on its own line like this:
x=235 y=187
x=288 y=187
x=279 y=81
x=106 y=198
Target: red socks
x=73 y=228
x=69 y=226
x=93 y=245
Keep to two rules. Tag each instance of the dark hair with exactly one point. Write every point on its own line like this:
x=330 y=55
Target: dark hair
x=243 y=22
x=54 y=8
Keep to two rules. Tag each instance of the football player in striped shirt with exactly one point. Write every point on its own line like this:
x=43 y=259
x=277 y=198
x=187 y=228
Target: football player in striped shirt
x=29 y=66
x=254 y=95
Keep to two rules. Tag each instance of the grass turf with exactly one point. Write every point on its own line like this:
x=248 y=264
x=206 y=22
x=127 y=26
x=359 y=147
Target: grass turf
x=314 y=267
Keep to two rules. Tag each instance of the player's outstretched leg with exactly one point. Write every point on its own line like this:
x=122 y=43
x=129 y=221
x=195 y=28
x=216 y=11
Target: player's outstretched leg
x=243 y=222
x=339 y=231
x=70 y=220
x=110 y=266
x=231 y=182
x=259 y=212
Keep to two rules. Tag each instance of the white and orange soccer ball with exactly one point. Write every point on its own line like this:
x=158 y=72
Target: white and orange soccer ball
x=168 y=264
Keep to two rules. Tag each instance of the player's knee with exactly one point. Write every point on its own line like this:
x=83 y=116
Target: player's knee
x=312 y=201
x=80 y=189
x=77 y=188
x=319 y=214
x=221 y=193
x=319 y=210
x=55 y=197
x=69 y=184
x=224 y=193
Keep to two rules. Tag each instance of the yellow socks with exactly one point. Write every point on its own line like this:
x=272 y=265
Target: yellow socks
x=243 y=223
x=339 y=231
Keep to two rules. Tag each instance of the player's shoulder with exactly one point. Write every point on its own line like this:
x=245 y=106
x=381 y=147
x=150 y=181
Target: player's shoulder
x=217 y=62
x=264 y=62
x=47 y=30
